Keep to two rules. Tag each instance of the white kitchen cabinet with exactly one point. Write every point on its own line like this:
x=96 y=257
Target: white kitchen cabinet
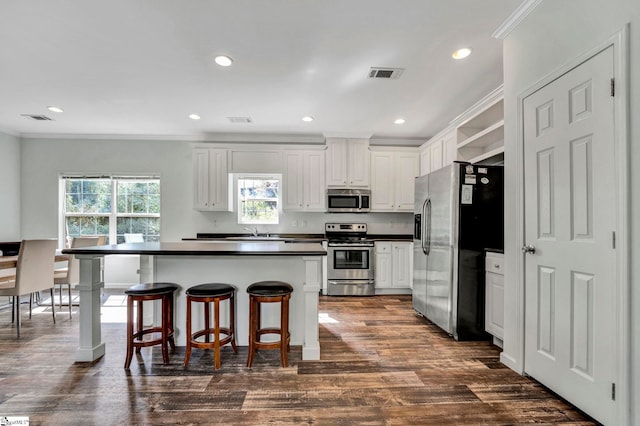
x=402 y=254
x=494 y=294
x=383 y=264
x=393 y=266
x=210 y=179
x=304 y=181
x=438 y=152
x=393 y=176
x=481 y=134
x=347 y=163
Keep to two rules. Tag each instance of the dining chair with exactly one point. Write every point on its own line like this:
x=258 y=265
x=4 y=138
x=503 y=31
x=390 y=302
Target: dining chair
x=133 y=238
x=34 y=272
x=70 y=276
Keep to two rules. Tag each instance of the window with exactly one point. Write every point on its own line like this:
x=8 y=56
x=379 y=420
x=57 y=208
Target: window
x=259 y=199
x=111 y=207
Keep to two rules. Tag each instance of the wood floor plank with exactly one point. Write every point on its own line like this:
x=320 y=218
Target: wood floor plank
x=381 y=364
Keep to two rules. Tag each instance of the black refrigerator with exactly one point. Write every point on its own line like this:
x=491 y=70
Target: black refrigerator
x=458 y=215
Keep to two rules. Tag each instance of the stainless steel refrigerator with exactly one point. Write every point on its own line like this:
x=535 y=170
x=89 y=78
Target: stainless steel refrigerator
x=458 y=215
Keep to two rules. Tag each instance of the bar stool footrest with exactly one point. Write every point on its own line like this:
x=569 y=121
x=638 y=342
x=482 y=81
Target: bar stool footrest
x=211 y=332
x=139 y=335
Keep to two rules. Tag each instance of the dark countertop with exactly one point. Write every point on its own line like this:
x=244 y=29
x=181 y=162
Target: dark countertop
x=206 y=248
x=291 y=237
x=217 y=236
x=390 y=237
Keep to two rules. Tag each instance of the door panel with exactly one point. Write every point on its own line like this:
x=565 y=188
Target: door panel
x=570 y=215
x=440 y=289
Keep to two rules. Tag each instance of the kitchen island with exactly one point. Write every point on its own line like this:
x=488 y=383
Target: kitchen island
x=189 y=263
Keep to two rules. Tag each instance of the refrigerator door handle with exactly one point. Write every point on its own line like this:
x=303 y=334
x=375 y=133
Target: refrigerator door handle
x=423 y=228
x=428 y=207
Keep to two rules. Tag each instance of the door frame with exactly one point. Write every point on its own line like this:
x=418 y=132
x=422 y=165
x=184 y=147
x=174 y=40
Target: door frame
x=619 y=42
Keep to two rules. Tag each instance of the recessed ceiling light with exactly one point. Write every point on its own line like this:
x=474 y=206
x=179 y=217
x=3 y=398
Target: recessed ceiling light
x=194 y=116
x=54 y=108
x=399 y=121
x=461 y=53
x=223 y=61
x=307 y=118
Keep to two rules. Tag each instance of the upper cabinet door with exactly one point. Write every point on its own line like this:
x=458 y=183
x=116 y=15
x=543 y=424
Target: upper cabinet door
x=337 y=162
x=406 y=171
x=382 y=181
x=347 y=163
x=293 y=185
x=358 y=165
x=437 y=155
x=200 y=160
x=304 y=181
x=438 y=152
x=210 y=179
x=393 y=176
x=314 y=181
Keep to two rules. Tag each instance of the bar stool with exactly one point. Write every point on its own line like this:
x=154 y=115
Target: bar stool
x=149 y=292
x=208 y=293
x=269 y=292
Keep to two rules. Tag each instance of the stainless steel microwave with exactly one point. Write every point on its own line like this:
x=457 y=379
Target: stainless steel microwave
x=348 y=200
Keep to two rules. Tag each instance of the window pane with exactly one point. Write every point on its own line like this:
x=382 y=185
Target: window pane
x=78 y=226
x=138 y=197
x=149 y=227
x=258 y=200
x=88 y=196
x=259 y=211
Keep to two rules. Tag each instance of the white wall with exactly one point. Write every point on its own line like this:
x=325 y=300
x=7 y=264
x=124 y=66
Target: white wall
x=43 y=160
x=9 y=188
x=551 y=36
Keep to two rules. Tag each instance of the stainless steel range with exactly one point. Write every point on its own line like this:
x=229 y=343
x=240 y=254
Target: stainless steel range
x=349 y=260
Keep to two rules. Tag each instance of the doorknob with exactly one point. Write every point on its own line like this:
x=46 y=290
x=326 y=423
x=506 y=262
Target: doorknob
x=528 y=249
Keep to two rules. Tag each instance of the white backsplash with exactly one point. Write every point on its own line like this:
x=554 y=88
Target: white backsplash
x=307 y=223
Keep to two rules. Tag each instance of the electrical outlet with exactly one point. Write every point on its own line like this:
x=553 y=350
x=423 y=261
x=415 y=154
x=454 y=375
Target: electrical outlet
x=294 y=223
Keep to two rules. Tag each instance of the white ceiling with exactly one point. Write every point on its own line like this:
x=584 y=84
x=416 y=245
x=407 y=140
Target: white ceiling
x=138 y=68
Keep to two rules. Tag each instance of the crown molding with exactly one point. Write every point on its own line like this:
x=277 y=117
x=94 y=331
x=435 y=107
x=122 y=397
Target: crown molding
x=264 y=138
x=9 y=132
x=494 y=96
x=205 y=137
x=512 y=22
x=107 y=136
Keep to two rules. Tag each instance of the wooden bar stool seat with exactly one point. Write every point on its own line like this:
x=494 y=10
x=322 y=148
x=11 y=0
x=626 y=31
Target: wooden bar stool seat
x=138 y=294
x=269 y=292
x=207 y=294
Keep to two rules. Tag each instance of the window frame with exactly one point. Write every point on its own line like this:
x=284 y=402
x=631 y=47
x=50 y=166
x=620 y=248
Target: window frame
x=113 y=215
x=257 y=176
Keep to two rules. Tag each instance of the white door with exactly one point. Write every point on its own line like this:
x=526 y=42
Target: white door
x=570 y=212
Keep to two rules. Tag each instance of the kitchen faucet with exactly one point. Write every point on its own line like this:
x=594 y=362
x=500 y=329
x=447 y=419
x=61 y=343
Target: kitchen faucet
x=254 y=231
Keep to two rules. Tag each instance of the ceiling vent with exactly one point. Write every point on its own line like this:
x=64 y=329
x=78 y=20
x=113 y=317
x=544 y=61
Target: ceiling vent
x=37 y=117
x=386 y=73
x=240 y=119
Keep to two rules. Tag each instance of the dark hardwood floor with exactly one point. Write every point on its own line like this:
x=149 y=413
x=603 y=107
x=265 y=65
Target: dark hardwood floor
x=381 y=365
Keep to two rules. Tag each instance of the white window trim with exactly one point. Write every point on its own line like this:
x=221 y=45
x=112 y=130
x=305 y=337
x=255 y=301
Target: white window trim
x=113 y=232
x=238 y=201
